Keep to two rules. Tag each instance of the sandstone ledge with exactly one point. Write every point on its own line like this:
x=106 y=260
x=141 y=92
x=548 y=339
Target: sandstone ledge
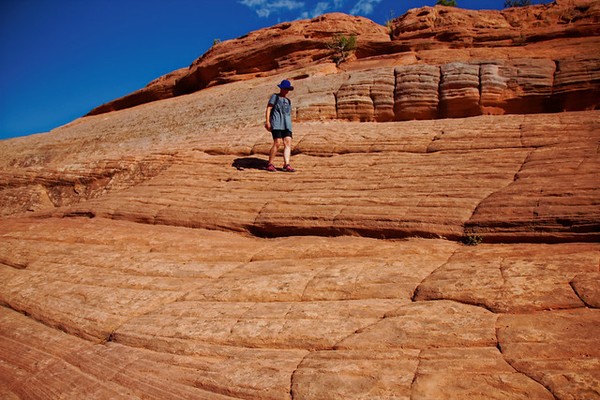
x=504 y=178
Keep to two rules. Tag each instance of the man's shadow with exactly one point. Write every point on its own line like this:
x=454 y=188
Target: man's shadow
x=249 y=163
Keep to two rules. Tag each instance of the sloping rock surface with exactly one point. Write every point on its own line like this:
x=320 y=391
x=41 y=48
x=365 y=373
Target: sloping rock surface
x=146 y=253
x=131 y=310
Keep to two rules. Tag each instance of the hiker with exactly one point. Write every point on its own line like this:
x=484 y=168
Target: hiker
x=279 y=122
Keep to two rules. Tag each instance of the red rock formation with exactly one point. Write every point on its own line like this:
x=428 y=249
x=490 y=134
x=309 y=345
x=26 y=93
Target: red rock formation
x=158 y=89
x=459 y=90
x=367 y=96
x=452 y=27
x=417 y=92
x=284 y=47
x=163 y=273
x=438 y=36
x=576 y=84
x=519 y=86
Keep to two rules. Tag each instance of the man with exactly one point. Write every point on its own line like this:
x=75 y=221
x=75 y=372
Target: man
x=279 y=122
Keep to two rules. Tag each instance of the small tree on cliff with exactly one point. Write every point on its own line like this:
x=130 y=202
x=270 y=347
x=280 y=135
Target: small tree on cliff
x=342 y=46
x=389 y=24
x=447 y=3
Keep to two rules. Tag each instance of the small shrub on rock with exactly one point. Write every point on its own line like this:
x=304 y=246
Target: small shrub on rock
x=472 y=239
x=342 y=46
x=447 y=3
x=517 y=3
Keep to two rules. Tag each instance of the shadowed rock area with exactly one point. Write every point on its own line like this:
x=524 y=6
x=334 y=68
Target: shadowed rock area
x=146 y=253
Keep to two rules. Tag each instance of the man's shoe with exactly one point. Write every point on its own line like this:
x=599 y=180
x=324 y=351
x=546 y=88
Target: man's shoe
x=288 y=168
x=271 y=167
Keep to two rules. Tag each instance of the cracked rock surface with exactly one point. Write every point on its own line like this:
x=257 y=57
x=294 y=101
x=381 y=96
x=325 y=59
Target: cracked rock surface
x=133 y=310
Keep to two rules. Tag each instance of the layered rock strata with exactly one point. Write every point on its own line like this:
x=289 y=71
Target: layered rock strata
x=457 y=90
x=416 y=93
x=366 y=96
x=454 y=90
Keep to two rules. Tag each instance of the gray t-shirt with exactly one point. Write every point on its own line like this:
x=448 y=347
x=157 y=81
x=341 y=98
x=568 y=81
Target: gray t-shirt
x=281 y=115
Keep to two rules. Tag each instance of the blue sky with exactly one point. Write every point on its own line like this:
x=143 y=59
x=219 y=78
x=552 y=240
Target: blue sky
x=61 y=58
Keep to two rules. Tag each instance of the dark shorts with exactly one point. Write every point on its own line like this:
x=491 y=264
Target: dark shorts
x=281 y=133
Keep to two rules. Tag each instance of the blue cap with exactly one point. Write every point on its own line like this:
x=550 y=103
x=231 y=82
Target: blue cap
x=285 y=85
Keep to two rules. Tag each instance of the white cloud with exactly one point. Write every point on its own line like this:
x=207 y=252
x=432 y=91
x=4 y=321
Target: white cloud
x=320 y=8
x=364 y=7
x=264 y=8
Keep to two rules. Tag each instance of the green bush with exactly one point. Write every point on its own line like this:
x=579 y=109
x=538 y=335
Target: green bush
x=389 y=24
x=447 y=3
x=517 y=3
x=342 y=46
x=472 y=239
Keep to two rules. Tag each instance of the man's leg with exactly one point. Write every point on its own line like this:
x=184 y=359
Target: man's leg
x=287 y=150
x=274 y=149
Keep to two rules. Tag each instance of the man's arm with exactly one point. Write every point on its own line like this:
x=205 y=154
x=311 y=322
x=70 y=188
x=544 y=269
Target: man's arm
x=268 y=117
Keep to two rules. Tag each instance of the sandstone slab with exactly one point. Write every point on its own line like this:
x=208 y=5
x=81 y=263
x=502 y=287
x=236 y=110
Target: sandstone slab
x=336 y=374
x=505 y=281
x=586 y=286
x=367 y=96
x=428 y=325
x=449 y=373
x=569 y=367
x=173 y=313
